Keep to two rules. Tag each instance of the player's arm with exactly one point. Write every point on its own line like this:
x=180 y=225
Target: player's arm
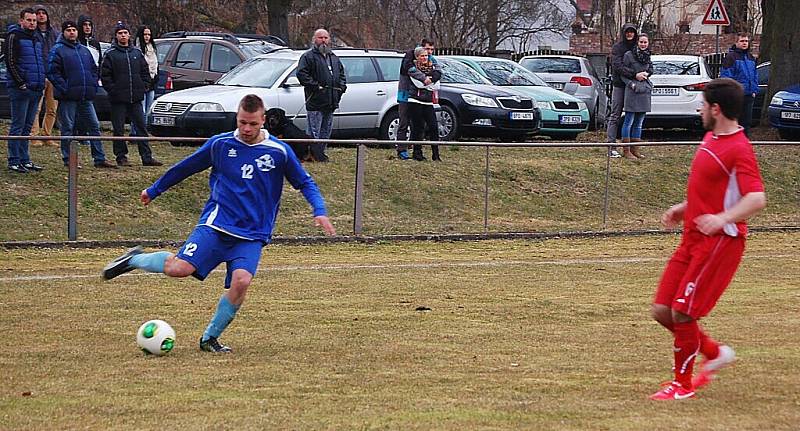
x=673 y=216
x=748 y=206
x=199 y=161
x=300 y=180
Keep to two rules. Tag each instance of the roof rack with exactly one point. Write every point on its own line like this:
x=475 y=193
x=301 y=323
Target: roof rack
x=226 y=36
x=265 y=37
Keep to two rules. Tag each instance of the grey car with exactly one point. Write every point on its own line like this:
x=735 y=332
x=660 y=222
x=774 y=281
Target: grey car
x=574 y=75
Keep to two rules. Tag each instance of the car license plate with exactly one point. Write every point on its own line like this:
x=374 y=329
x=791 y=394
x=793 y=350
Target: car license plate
x=163 y=121
x=522 y=115
x=788 y=115
x=664 y=91
x=557 y=85
x=569 y=119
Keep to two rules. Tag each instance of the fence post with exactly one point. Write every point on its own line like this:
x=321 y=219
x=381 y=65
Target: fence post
x=358 y=201
x=72 y=192
x=486 y=195
x=608 y=175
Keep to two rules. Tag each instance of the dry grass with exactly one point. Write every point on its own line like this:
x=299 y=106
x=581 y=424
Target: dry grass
x=521 y=335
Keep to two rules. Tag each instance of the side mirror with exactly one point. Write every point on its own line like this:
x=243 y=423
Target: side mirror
x=291 y=81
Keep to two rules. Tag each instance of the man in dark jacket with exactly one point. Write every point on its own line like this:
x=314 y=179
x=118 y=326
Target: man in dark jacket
x=48 y=35
x=23 y=55
x=404 y=88
x=322 y=74
x=72 y=71
x=87 y=39
x=626 y=43
x=740 y=66
x=125 y=76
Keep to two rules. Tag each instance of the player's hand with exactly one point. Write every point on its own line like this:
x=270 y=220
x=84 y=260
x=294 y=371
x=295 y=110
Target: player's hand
x=672 y=216
x=145 y=197
x=325 y=223
x=709 y=224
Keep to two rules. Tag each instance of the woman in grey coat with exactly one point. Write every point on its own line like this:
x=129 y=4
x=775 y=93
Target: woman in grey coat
x=637 y=95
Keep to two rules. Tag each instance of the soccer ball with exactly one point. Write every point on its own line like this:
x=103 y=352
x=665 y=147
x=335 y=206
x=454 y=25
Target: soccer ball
x=155 y=337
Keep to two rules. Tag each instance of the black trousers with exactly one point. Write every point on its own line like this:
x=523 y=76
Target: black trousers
x=119 y=111
x=423 y=124
x=746 y=117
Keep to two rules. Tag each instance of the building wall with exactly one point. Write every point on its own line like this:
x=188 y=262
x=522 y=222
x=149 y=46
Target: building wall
x=693 y=44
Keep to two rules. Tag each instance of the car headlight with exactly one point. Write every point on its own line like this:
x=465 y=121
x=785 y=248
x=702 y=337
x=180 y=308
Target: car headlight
x=207 y=107
x=543 y=105
x=581 y=105
x=475 y=100
x=777 y=101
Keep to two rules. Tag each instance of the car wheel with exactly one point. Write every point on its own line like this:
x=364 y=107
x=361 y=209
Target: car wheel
x=389 y=125
x=447 y=119
x=789 y=134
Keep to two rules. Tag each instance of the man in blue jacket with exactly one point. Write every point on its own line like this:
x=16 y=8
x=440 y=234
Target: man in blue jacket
x=740 y=65
x=247 y=171
x=26 y=68
x=72 y=71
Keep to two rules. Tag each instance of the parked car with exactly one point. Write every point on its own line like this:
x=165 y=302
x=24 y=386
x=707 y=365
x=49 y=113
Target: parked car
x=678 y=83
x=208 y=110
x=563 y=116
x=470 y=106
x=784 y=113
x=192 y=59
x=575 y=76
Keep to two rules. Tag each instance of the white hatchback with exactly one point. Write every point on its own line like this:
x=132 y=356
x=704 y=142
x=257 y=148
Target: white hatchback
x=678 y=83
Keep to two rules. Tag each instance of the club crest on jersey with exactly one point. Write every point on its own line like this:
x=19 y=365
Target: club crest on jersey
x=232 y=152
x=265 y=163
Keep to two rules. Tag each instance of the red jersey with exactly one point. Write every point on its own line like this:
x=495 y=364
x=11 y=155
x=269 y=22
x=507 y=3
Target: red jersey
x=723 y=170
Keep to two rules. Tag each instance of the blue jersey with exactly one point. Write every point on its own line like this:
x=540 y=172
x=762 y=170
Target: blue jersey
x=246 y=182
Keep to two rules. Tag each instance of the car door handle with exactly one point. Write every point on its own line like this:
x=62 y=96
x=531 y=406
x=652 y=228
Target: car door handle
x=380 y=93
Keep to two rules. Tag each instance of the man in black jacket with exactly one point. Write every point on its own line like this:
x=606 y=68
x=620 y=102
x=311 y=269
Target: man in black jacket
x=627 y=42
x=322 y=74
x=125 y=76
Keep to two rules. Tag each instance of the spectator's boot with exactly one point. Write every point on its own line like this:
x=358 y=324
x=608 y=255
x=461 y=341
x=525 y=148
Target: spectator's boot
x=626 y=149
x=635 y=149
x=435 y=153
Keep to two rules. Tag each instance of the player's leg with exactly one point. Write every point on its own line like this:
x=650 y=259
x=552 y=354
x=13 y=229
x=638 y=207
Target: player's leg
x=242 y=261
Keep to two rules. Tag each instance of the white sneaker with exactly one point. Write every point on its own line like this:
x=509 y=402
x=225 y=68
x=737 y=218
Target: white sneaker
x=614 y=154
x=709 y=368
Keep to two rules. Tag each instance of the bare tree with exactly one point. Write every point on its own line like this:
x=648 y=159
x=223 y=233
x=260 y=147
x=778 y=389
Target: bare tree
x=780 y=26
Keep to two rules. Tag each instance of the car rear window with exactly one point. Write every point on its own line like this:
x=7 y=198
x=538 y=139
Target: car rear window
x=552 y=65
x=256 y=72
x=676 y=67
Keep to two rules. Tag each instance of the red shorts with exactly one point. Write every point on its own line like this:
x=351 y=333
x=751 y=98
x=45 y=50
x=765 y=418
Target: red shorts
x=699 y=272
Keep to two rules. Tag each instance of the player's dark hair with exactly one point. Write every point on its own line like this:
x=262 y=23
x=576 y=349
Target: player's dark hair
x=727 y=94
x=251 y=103
x=26 y=10
x=426 y=41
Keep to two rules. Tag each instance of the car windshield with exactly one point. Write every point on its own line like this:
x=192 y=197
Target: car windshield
x=252 y=49
x=675 y=67
x=509 y=74
x=455 y=72
x=552 y=65
x=256 y=72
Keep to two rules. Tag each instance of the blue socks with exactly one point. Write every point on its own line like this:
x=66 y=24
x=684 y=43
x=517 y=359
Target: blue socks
x=222 y=318
x=150 y=262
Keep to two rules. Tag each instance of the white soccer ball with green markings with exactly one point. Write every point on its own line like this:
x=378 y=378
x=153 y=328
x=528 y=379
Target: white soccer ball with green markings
x=155 y=337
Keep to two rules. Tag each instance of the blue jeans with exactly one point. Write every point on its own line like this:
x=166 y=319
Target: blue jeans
x=24 y=104
x=149 y=97
x=632 y=126
x=76 y=115
x=320 y=124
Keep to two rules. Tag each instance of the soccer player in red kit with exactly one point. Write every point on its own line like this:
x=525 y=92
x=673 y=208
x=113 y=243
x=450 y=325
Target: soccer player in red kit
x=724 y=189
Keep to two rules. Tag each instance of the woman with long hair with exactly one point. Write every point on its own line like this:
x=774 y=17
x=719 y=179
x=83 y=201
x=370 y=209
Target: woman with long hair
x=144 y=41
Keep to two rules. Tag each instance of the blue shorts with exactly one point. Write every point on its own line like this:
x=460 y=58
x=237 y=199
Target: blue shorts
x=206 y=248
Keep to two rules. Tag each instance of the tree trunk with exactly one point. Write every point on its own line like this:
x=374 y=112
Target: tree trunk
x=767 y=14
x=491 y=23
x=784 y=46
x=278 y=18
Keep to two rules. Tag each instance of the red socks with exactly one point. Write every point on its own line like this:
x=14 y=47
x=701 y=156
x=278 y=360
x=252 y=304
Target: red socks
x=708 y=347
x=687 y=344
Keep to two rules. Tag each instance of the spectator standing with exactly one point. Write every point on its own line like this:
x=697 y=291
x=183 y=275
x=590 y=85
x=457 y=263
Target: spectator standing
x=48 y=35
x=126 y=76
x=425 y=76
x=637 y=95
x=322 y=76
x=404 y=87
x=626 y=43
x=740 y=65
x=87 y=39
x=26 y=69
x=144 y=40
x=72 y=71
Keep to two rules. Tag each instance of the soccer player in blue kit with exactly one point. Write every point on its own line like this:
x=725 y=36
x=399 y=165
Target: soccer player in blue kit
x=247 y=170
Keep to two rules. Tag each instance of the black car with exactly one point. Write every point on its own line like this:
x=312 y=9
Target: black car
x=472 y=107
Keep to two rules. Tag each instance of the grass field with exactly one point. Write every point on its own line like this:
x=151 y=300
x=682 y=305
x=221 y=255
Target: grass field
x=550 y=335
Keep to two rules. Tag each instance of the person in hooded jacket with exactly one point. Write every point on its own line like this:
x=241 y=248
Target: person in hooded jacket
x=72 y=71
x=48 y=36
x=23 y=56
x=740 y=66
x=125 y=77
x=86 y=38
x=626 y=43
